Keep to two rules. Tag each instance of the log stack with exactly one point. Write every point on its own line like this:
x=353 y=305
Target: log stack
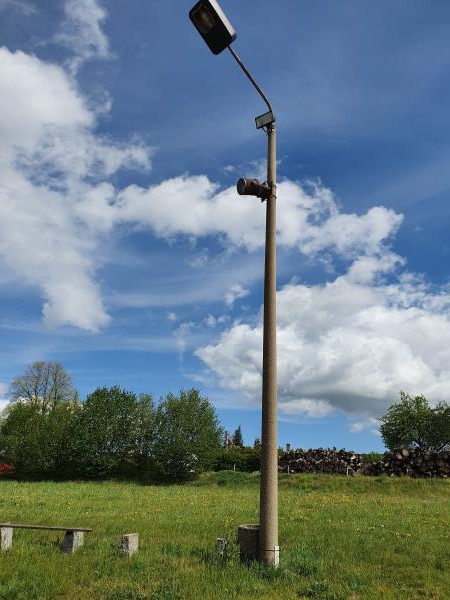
x=320 y=460
x=412 y=462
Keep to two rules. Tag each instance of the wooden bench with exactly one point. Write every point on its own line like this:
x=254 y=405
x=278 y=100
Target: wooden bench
x=73 y=538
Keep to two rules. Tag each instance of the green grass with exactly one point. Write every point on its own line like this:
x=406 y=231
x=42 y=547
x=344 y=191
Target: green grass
x=341 y=538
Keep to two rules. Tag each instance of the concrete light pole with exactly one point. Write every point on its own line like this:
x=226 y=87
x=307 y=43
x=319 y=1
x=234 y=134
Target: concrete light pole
x=268 y=535
x=218 y=33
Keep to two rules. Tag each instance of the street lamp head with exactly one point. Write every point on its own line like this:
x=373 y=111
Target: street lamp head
x=212 y=24
x=252 y=187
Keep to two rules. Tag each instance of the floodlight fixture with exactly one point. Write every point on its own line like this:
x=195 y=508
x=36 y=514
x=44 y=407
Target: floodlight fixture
x=212 y=24
x=264 y=120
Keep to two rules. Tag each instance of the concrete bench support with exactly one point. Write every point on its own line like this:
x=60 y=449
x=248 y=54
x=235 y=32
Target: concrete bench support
x=73 y=540
x=6 y=538
x=130 y=544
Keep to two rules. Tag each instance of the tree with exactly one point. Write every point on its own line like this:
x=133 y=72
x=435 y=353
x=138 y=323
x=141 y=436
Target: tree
x=187 y=435
x=111 y=433
x=145 y=421
x=226 y=440
x=33 y=431
x=44 y=385
x=414 y=423
x=441 y=426
x=35 y=442
x=238 y=442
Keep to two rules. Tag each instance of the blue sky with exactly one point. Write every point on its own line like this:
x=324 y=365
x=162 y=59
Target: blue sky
x=127 y=255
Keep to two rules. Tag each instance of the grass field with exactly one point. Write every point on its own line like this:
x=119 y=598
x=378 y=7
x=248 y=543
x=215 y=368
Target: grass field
x=340 y=538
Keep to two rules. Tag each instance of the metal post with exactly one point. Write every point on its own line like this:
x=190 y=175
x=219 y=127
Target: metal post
x=268 y=538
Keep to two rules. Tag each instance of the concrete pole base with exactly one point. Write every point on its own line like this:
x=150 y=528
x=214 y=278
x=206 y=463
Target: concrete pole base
x=248 y=540
x=270 y=558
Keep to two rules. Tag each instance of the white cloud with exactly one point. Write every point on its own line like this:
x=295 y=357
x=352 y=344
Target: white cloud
x=310 y=218
x=212 y=321
x=27 y=8
x=314 y=408
x=236 y=292
x=362 y=425
x=350 y=345
x=50 y=216
x=236 y=359
x=58 y=202
x=182 y=335
x=50 y=152
x=35 y=96
x=81 y=32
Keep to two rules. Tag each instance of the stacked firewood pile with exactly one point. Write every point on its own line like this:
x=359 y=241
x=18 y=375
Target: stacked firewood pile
x=320 y=460
x=413 y=462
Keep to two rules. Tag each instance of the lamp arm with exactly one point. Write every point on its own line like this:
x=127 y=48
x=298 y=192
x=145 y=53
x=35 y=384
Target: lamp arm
x=247 y=72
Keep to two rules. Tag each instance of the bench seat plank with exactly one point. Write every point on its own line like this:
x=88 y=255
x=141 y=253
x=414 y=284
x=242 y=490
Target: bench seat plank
x=49 y=527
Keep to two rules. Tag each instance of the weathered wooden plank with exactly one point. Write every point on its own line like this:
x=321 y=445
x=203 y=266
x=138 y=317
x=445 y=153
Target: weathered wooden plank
x=49 y=527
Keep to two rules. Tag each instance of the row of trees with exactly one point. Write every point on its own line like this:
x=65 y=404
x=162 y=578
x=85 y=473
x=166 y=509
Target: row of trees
x=237 y=440
x=47 y=432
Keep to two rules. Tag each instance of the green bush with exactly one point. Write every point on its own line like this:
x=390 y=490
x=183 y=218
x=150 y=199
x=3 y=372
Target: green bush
x=239 y=459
